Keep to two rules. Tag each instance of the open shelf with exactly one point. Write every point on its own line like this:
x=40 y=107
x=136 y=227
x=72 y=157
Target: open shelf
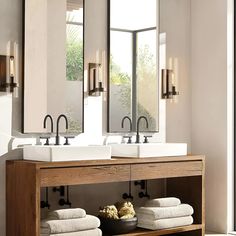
x=143 y=232
x=184 y=176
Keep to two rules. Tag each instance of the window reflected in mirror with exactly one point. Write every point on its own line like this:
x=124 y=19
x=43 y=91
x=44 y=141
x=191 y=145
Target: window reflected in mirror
x=53 y=63
x=74 y=44
x=74 y=63
x=133 y=80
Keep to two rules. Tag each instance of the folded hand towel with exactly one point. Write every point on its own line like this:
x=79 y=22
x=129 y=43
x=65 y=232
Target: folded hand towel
x=157 y=213
x=65 y=214
x=163 y=202
x=72 y=225
x=165 y=223
x=92 y=232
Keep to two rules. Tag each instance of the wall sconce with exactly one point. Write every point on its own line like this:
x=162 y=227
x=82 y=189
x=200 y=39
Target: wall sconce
x=7 y=75
x=168 y=87
x=8 y=70
x=94 y=84
x=3 y=73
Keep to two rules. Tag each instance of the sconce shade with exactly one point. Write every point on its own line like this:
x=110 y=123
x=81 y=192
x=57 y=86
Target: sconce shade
x=7 y=73
x=3 y=73
x=95 y=86
x=168 y=88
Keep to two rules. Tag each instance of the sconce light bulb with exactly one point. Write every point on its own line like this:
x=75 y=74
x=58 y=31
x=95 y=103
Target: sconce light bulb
x=12 y=67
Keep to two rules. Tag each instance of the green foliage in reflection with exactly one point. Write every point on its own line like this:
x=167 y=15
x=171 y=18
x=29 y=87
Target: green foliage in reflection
x=117 y=76
x=123 y=81
x=146 y=66
x=146 y=85
x=74 y=53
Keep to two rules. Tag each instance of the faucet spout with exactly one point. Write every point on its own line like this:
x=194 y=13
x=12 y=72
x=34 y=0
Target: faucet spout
x=45 y=122
x=130 y=123
x=58 y=122
x=138 y=122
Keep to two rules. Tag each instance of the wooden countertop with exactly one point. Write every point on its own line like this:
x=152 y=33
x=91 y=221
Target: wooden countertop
x=113 y=161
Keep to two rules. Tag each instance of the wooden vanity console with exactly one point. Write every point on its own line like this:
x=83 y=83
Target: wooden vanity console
x=184 y=179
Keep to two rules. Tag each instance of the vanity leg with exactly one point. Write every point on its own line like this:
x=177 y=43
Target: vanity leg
x=22 y=199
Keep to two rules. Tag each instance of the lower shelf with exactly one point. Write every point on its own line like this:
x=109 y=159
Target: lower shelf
x=144 y=232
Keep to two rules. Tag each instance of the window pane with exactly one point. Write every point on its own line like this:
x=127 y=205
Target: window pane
x=74 y=69
x=74 y=52
x=133 y=14
x=147 y=82
x=120 y=78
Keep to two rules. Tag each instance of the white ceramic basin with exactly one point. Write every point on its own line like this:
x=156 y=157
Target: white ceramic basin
x=66 y=153
x=148 y=150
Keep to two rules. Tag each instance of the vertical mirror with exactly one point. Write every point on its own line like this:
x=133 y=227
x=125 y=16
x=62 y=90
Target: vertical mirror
x=53 y=63
x=133 y=63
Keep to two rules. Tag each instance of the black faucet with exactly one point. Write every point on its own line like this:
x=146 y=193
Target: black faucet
x=57 y=134
x=45 y=122
x=44 y=126
x=130 y=123
x=137 y=135
x=130 y=128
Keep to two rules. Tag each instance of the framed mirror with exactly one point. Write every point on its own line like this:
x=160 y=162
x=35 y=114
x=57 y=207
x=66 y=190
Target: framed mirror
x=132 y=64
x=53 y=63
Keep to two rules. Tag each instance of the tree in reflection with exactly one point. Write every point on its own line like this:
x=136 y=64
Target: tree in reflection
x=74 y=52
x=147 y=85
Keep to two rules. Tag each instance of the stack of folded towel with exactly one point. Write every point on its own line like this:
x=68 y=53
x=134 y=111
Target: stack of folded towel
x=70 y=222
x=164 y=213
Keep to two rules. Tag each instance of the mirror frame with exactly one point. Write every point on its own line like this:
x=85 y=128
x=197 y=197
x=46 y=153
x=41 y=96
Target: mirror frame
x=23 y=69
x=108 y=72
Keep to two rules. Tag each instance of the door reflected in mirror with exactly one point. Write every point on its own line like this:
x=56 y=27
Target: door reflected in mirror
x=133 y=63
x=53 y=63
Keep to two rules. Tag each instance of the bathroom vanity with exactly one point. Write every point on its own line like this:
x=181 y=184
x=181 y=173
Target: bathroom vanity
x=184 y=179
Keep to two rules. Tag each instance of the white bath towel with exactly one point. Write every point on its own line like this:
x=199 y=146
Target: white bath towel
x=163 y=202
x=157 y=213
x=92 y=232
x=64 y=214
x=72 y=225
x=165 y=223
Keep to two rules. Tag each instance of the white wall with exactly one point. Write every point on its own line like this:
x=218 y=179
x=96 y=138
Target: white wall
x=35 y=63
x=200 y=121
x=175 y=21
x=45 y=70
x=209 y=103
x=56 y=61
x=95 y=114
x=10 y=25
x=200 y=115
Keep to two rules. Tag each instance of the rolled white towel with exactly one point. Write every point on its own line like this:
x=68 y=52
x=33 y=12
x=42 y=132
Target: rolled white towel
x=64 y=214
x=67 y=226
x=165 y=223
x=92 y=232
x=163 y=202
x=157 y=213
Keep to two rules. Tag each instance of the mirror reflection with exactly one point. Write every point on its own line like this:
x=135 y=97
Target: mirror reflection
x=53 y=63
x=133 y=80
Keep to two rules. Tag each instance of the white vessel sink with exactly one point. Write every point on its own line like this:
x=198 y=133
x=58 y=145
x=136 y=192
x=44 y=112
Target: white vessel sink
x=149 y=150
x=66 y=153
